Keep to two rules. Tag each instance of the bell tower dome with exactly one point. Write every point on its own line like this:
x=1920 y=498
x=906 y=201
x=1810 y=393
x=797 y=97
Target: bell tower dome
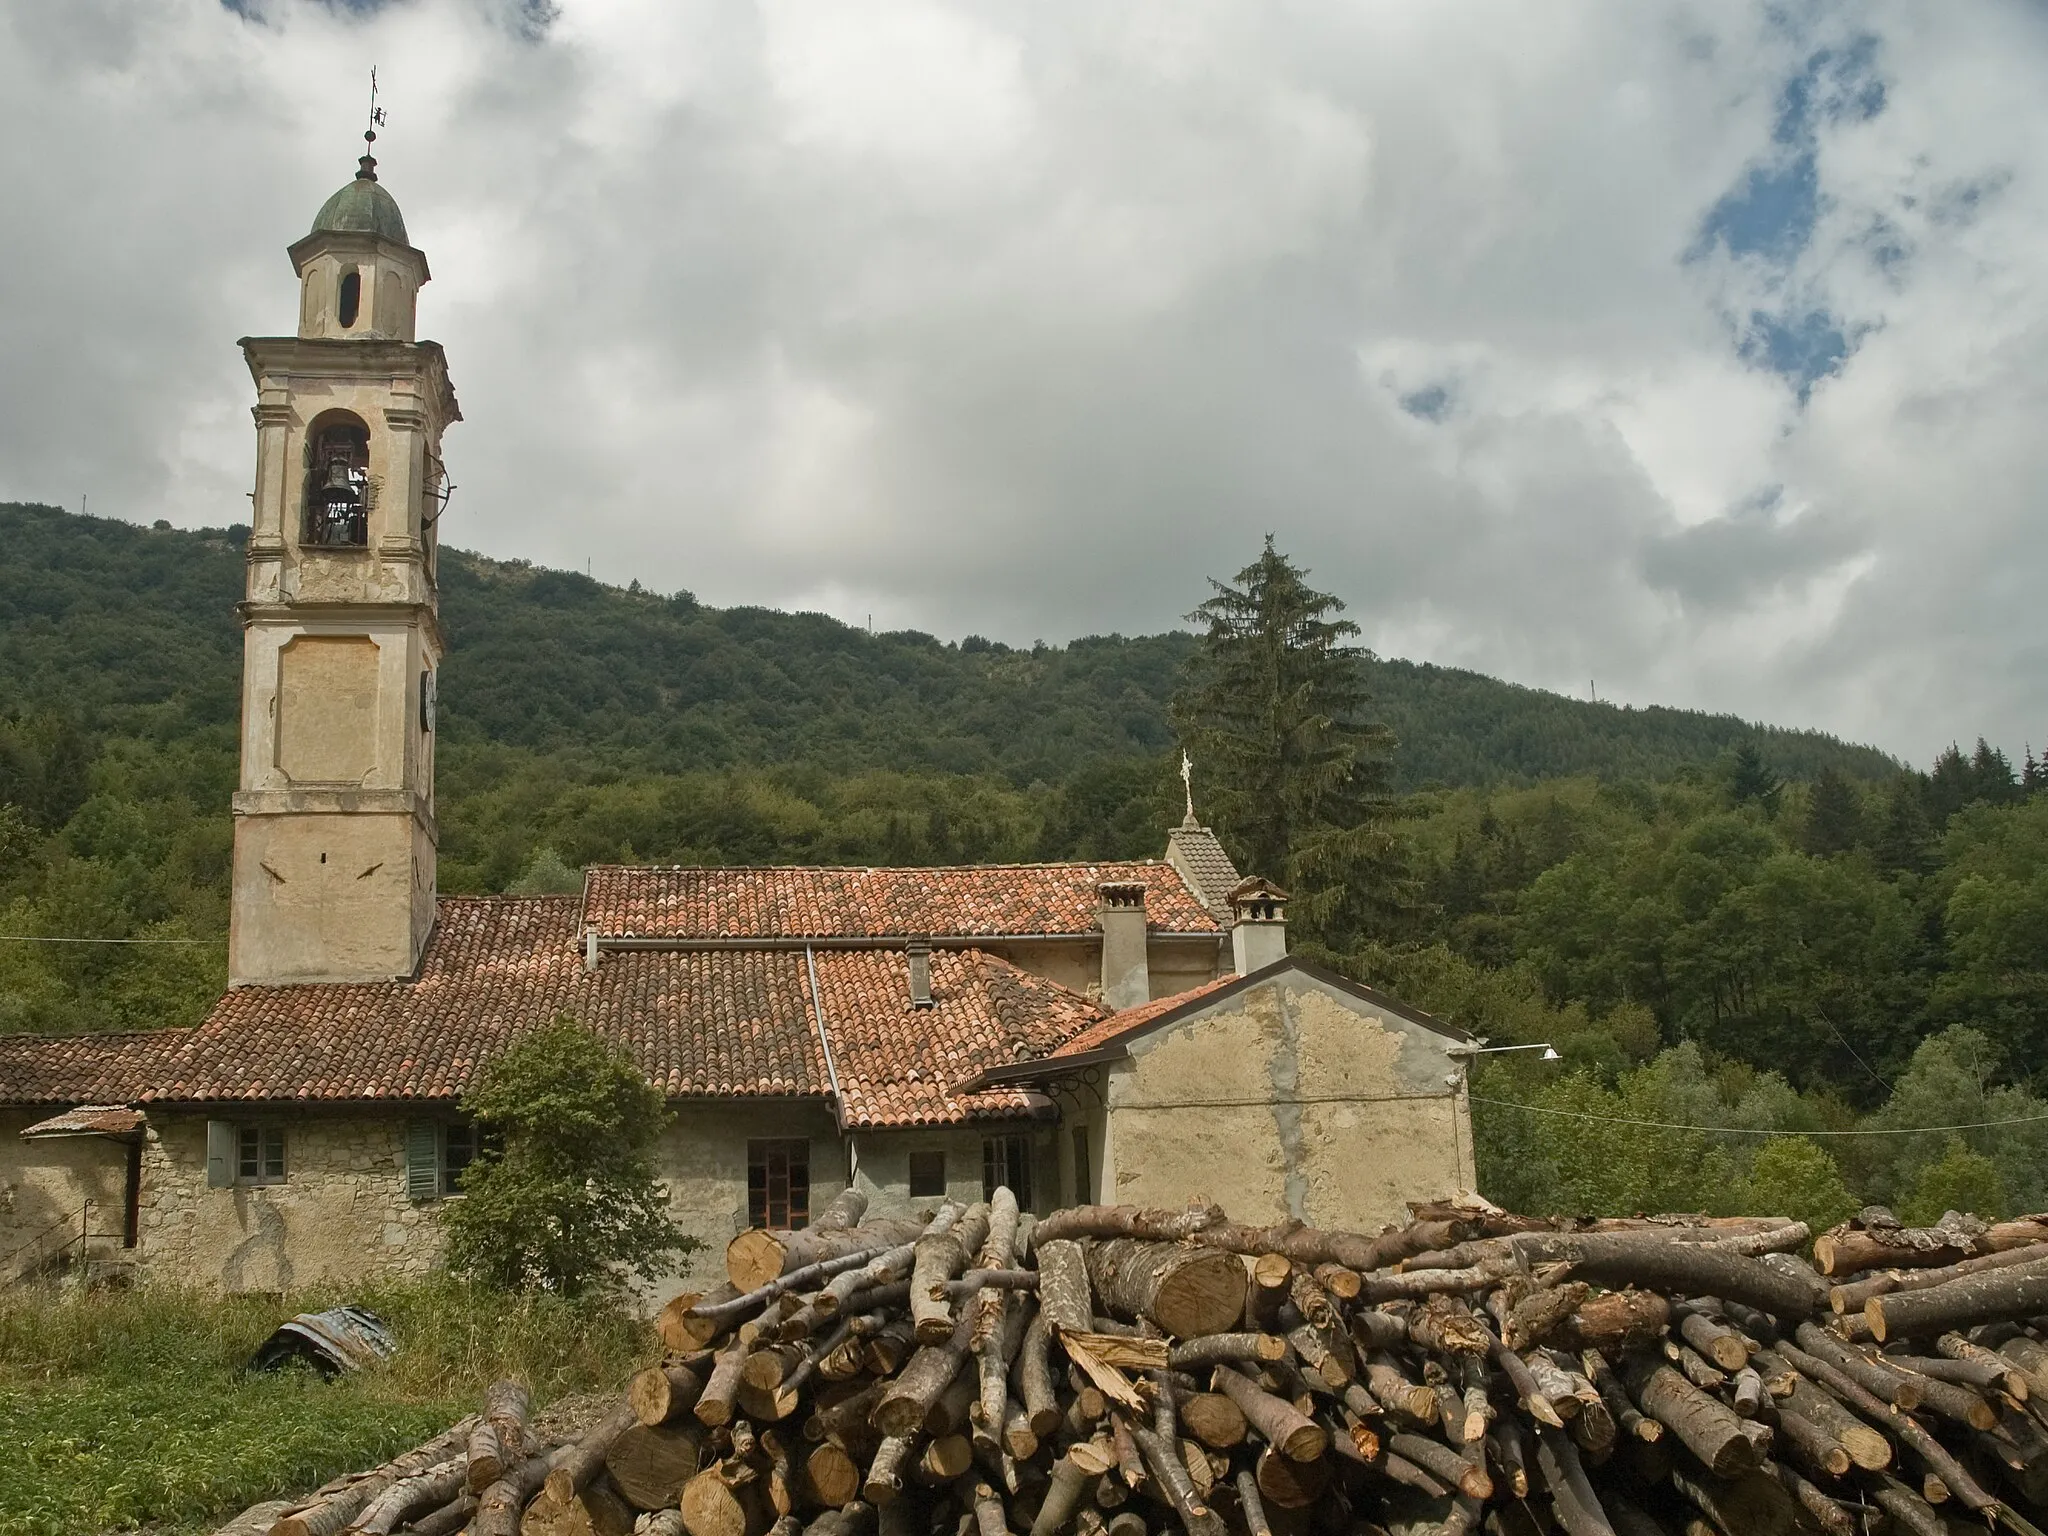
x=334 y=814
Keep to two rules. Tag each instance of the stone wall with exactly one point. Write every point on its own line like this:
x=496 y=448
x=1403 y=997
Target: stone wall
x=340 y=1214
x=1294 y=1099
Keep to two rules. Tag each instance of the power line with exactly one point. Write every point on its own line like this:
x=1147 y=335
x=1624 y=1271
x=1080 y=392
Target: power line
x=1749 y=1130
x=37 y=938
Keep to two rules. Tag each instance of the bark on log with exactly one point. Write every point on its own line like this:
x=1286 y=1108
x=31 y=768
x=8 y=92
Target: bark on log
x=1032 y=1378
x=903 y=1405
x=581 y=1462
x=409 y=1496
x=1999 y=1296
x=332 y=1512
x=1280 y=1424
x=935 y=1260
x=1069 y=1483
x=1619 y=1259
x=1849 y=1298
x=1218 y=1348
x=1186 y=1291
x=450 y=1519
x=1867 y=1447
x=1065 y=1298
x=1572 y=1498
x=1718 y=1342
x=761 y=1255
x=714 y=1404
x=486 y=1458
x=1707 y=1427
x=507 y=1406
x=1849 y=1250
x=498 y=1507
x=992 y=1309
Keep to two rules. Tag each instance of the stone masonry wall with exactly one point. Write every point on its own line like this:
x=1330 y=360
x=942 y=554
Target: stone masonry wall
x=340 y=1214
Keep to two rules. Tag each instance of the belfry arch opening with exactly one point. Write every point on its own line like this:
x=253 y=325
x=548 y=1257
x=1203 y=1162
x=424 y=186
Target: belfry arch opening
x=349 y=301
x=337 y=483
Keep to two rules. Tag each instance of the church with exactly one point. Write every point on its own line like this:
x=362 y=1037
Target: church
x=1129 y=1032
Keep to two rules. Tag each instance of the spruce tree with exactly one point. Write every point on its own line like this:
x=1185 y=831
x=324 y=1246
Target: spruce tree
x=1905 y=841
x=1750 y=780
x=1296 y=777
x=1834 y=816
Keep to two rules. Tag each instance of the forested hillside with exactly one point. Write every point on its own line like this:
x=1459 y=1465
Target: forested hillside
x=1718 y=924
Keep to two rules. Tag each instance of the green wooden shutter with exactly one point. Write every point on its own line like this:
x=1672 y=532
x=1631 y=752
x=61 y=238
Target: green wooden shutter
x=422 y=1160
x=221 y=1150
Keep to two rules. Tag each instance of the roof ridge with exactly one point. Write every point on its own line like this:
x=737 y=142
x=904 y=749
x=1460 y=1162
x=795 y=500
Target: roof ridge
x=866 y=869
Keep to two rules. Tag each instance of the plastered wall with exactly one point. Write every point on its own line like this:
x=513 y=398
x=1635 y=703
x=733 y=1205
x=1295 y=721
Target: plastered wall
x=46 y=1181
x=1291 y=1100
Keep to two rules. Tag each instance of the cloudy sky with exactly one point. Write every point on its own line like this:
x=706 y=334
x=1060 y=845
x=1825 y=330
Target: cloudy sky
x=1698 y=348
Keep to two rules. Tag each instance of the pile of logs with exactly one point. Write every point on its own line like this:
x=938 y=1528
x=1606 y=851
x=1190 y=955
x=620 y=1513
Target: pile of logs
x=1107 y=1369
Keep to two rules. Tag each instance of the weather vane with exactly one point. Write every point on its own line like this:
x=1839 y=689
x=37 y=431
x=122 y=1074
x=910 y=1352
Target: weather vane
x=368 y=171
x=1187 y=779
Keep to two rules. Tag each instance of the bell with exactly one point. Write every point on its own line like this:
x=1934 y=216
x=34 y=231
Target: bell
x=338 y=474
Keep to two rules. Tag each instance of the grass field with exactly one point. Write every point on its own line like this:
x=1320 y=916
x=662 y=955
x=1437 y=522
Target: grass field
x=130 y=1411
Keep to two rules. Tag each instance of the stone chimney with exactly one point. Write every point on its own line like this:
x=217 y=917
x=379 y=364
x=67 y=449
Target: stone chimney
x=1126 y=973
x=919 y=953
x=1258 y=930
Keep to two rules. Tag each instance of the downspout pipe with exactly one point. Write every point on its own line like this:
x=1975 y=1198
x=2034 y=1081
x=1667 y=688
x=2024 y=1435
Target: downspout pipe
x=831 y=1068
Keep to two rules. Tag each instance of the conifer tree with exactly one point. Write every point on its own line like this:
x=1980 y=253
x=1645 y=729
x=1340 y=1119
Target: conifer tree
x=1750 y=780
x=1905 y=841
x=1298 y=779
x=1834 y=816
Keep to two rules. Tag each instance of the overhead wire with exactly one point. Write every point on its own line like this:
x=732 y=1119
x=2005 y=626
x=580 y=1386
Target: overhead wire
x=1750 y=1130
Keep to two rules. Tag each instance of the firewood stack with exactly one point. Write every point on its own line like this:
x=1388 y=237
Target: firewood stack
x=1107 y=1369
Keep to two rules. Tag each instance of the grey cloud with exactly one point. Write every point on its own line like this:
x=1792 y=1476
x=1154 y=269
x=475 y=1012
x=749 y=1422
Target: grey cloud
x=1023 y=321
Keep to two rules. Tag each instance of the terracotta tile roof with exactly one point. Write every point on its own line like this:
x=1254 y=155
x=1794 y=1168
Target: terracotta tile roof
x=84 y=1069
x=971 y=901
x=88 y=1120
x=726 y=1023
x=897 y=1064
x=1097 y=1035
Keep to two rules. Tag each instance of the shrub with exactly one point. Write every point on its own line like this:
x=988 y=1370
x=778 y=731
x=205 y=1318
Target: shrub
x=564 y=1196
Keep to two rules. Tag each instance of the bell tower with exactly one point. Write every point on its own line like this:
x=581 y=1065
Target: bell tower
x=334 y=816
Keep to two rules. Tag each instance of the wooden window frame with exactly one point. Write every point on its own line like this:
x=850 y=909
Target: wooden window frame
x=260 y=1155
x=779 y=1182
x=1006 y=1159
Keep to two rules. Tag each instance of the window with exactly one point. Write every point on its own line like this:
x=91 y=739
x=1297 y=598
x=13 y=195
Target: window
x=338 y=486
x=1007 y=1160
x=458 y=1151
x=779 y=1183
x=1084 y=1176
x=927 y=1174
x=351 y=297
x=259 y=1154
x=436 y=1154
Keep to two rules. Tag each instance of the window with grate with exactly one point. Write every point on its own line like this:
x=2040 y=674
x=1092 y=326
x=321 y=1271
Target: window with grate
x=927 y=1174
x=1007 y=1160
x=259 y=1155
x=779 y=1183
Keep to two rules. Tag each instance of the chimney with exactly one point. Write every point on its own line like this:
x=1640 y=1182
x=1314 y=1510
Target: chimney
x=1258 y=931
x=919 y=953
x=1126 y=974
